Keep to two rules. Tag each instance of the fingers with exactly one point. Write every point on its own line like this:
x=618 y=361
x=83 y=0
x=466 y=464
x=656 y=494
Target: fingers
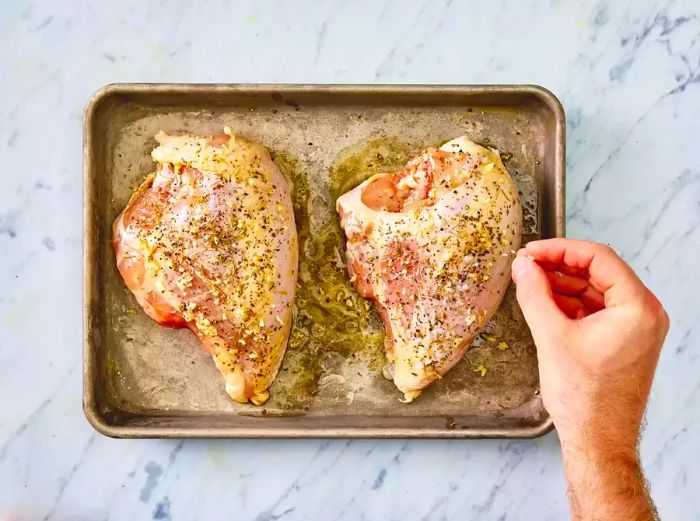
x=554 y=266
x=571 y=306
x=566 y=284
x=535 y=297
x=608 y=273
x=571 y=281
x=592 y=299
x=563 y=268
x=587 y=297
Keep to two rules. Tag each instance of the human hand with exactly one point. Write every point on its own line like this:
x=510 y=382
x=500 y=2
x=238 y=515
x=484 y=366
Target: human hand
x=598 y=332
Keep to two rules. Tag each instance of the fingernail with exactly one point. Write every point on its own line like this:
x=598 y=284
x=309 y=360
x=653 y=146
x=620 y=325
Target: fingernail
x=520 y=266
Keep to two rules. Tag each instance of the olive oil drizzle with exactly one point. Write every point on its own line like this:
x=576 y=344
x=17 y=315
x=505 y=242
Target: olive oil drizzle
x=329 y=315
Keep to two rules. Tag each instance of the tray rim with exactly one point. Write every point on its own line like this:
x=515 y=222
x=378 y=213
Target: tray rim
x=90 y=407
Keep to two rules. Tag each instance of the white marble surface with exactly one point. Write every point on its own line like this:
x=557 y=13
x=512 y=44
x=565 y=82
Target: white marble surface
x=628 y=74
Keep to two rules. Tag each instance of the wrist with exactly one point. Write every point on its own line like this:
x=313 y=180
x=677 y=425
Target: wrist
x=596 y=452
x=599 y=437
x=607 y=423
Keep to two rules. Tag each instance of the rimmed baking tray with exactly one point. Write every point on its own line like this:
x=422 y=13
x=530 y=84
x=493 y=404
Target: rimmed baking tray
x=143 y=380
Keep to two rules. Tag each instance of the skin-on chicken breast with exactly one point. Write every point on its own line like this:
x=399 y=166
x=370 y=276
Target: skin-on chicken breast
x=431 y=245
x=209 y=242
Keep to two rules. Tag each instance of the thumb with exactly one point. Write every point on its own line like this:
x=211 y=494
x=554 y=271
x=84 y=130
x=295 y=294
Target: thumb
x=534 y=295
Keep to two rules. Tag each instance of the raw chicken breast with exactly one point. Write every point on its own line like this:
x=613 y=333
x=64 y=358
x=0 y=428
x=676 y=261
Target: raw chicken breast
x=209 y=242
x=431 y=245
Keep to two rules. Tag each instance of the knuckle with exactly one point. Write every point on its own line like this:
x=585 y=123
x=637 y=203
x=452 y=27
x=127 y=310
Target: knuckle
x=607 y=249
x=655 y=311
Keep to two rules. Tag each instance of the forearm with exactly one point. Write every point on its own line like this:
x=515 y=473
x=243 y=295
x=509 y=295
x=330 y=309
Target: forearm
x=605 y=483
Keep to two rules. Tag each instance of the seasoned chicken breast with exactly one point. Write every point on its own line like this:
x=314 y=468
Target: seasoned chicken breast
x=209 y=242
x=431 y=245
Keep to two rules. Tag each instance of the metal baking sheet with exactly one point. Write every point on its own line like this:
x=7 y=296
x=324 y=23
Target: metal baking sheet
x=144 y=380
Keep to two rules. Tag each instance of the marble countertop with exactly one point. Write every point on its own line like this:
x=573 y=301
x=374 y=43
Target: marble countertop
x=628 y=74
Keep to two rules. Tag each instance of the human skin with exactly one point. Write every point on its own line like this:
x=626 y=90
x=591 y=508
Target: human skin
x=598 y=332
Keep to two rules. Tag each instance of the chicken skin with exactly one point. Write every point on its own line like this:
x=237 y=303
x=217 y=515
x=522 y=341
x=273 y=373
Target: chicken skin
x=209 y=242
x=431 y=245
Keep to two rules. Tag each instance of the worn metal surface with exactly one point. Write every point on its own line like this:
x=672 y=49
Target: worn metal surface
x=143 y=380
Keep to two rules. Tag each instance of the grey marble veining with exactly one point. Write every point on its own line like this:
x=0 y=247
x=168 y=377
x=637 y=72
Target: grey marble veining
x=628 y=74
